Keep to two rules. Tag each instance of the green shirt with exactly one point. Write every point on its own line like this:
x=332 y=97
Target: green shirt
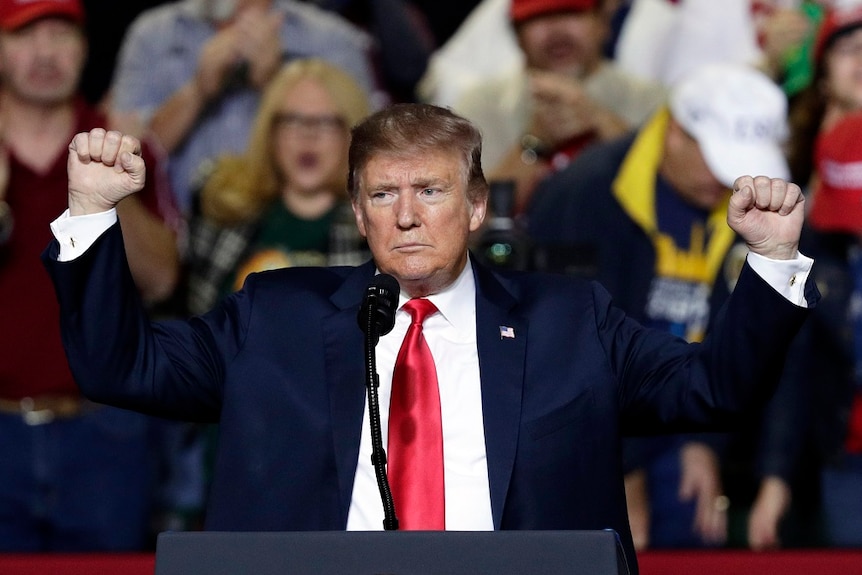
x=285 y=240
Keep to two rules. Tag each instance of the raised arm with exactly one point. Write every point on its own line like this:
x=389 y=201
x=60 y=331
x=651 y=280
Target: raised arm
x=116 y=354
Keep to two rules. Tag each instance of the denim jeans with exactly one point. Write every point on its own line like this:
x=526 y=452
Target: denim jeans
x=76 y=484
x=841 y=500
x=671 y=520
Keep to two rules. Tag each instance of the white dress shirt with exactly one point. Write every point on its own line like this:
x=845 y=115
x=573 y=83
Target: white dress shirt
x=451 y=336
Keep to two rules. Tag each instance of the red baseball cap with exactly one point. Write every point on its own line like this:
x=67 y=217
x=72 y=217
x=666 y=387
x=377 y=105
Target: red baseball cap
x=17 y=13
x=835 y=23
x=837 y=200
x=521 y=10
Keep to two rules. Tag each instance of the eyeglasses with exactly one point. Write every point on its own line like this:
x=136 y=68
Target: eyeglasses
x=292 y=122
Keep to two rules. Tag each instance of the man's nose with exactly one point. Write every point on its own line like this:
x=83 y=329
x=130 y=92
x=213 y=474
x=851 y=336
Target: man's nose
x=407 y=210
x=46 y=45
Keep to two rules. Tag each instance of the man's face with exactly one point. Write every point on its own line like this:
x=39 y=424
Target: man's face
x=566 y=42
x=417 y=218
x=685 y=168
x=42 y=62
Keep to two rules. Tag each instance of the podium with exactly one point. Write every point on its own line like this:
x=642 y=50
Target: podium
x=391 y=553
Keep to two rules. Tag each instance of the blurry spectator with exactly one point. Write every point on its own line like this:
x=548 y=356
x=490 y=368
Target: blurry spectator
x=786 y=31
x=191 y=72
x=664 y=40
x=483 y=47
x=835 y=90
x=566 y=95
x=645 y=214
x=834 y=93
x=73 y=475
x=283 y=202
x=402 y=38
x=831 y=361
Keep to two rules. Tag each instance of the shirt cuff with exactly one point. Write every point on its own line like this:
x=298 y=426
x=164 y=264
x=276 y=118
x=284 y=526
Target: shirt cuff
x=76 y=234
x=787 y=277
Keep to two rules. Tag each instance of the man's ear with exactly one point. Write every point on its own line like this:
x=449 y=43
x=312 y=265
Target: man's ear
x=675 y=133
x=360 y=217
x=480 y=208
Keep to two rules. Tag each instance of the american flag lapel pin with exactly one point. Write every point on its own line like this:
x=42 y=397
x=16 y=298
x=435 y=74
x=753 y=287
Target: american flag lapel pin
x=507 y=331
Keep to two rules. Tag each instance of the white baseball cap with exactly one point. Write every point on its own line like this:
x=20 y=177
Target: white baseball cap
x=738 y=116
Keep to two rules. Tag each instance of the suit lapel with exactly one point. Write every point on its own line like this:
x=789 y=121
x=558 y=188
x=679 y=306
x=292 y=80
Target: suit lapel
x=345 y=377
x=501 y=367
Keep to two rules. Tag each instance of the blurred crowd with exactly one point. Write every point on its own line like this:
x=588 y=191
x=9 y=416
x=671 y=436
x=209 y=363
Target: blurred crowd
x=613 y=131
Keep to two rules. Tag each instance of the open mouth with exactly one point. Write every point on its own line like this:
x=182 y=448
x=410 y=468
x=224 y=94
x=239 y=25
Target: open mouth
x=308 y=160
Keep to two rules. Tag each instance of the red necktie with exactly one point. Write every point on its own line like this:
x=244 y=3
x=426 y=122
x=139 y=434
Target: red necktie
x=416 y=431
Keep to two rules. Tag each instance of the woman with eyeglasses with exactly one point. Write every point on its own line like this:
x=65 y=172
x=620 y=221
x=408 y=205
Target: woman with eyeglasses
x=283 y=202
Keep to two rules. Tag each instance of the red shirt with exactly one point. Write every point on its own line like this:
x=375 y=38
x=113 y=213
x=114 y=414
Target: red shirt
x=32 y=360
x=853 y=444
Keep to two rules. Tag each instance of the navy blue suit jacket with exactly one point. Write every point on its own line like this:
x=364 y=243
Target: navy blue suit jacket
x=280 y=365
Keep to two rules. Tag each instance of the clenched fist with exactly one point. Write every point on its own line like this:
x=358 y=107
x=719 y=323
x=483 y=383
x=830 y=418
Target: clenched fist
x=768 y=214
x=104 y=167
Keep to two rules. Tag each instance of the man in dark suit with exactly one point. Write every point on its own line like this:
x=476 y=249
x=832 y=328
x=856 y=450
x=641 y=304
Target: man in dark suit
x=539 y=375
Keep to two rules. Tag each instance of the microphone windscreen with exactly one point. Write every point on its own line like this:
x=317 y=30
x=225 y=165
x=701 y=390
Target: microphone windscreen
x=381 y=295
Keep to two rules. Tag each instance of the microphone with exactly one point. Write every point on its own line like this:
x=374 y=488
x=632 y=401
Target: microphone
x=377 y=317
x=377 y=314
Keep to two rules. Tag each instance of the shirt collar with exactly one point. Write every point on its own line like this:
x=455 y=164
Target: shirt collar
x=457 y=303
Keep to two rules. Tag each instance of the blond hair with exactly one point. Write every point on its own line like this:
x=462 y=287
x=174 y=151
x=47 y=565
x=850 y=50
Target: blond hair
x=240 y=186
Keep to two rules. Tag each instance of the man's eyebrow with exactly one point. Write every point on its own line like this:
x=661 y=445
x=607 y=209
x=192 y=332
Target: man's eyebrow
x=430 y=182
x=383 y=186
x=424 y=182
